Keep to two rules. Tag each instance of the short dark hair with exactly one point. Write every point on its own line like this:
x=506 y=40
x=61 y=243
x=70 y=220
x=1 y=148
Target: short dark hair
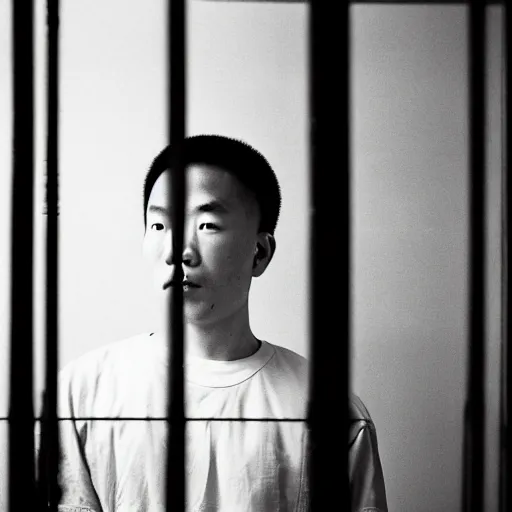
x=247 y=164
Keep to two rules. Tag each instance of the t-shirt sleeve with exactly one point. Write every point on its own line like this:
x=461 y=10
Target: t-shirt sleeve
x=78 y=493
x=365 y=470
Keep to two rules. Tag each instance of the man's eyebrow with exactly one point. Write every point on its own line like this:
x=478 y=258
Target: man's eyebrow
x=158 y=209
x=212 y=206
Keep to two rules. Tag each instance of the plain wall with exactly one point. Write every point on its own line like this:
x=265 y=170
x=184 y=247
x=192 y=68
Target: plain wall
x=247 y=72
x=411 y=245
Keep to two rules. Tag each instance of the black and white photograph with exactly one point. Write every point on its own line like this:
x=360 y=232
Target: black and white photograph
x=254 y=256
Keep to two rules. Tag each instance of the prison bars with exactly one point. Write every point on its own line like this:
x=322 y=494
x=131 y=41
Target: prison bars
x=473 y=443
x=175 y=497
x=329 y=180
x=21 y=407
x=21 y=470
x=48 y=489
x=505 y=491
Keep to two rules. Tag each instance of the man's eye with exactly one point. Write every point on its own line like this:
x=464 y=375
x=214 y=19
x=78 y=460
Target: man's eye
x=208 y=225
x=157 y=226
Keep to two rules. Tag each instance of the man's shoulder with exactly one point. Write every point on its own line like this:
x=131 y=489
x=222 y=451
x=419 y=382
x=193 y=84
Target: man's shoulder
x=290 y=354
x=119 y=351
x=357 y=411
x=93 y=376
x=359 y=418
x=289 y=361
x=288 y=375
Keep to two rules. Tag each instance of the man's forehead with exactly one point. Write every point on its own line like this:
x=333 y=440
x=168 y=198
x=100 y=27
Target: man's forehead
x=203 y=182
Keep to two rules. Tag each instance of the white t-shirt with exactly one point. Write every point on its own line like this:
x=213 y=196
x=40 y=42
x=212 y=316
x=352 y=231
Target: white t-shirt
x=120 y=465
x=110 y=465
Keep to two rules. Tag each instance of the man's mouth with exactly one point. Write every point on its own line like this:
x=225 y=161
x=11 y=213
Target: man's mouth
x=186 y=284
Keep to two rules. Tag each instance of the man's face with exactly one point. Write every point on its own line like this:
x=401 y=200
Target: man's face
x=221 y=231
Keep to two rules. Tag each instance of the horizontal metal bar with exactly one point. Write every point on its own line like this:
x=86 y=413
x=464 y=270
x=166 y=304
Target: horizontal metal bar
x=363 y=2
x=158 y=418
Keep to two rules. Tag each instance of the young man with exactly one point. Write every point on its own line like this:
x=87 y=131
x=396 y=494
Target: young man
x=232 y=206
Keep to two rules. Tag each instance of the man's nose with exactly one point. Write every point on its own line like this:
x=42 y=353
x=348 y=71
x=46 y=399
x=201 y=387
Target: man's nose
x=190 y=254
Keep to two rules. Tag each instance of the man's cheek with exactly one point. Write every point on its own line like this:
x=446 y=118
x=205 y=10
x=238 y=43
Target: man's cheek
x=155 y=252
x=149 y=250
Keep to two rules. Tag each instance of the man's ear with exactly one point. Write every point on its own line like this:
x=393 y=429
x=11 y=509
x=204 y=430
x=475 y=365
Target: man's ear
x=263 y=253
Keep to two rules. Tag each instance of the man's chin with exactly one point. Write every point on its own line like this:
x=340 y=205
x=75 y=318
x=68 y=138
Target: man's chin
x=194 y=312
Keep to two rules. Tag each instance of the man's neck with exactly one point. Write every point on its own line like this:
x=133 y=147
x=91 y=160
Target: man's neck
x=228 y=340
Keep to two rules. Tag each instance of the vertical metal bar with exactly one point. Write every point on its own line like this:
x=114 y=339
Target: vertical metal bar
x=506 y=354
x=329 y=82
x=21 y=407
x=176 y=115
x=49 y=491
x=474 y=458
